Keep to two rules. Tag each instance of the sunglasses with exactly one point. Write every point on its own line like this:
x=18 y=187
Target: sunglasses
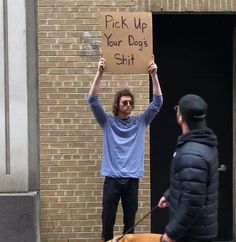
x=126 y=102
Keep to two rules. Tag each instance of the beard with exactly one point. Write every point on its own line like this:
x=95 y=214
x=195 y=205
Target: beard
x=125 y=111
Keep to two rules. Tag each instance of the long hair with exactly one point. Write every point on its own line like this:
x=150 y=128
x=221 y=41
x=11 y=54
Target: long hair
x=117 y=97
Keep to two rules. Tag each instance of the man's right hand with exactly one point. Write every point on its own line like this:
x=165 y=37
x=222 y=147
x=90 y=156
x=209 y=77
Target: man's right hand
x=101 y=65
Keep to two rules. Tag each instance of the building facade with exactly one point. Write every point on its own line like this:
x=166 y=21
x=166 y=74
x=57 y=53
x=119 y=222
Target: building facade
x=69 y=41
x=51 y=144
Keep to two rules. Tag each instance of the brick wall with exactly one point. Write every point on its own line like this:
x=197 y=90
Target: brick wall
x=70 y=140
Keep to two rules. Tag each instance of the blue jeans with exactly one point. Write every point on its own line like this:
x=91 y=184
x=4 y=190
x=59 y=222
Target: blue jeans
x=115 y=189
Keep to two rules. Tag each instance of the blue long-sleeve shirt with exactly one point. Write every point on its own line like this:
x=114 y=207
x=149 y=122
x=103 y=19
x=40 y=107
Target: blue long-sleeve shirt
x=123 y=140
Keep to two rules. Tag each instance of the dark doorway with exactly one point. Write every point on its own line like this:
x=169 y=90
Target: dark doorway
x=194 y=53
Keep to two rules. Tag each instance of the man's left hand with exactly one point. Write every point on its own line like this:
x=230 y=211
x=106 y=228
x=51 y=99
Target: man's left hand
x=152 y=67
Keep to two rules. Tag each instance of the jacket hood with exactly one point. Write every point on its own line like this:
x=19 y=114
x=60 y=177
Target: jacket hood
x=203 y=136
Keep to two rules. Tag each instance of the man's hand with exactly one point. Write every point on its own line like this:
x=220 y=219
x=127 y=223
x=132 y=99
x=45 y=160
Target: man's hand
x=166 y=238
x=101 y=65
x=163 y=203
x=152 y=67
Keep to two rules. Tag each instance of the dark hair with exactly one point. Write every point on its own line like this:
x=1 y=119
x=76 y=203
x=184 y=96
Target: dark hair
x=117 y=97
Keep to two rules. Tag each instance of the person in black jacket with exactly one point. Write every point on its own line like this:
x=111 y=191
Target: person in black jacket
x=192 y=197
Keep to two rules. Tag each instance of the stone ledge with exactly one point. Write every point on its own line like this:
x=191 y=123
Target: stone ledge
x=19 y=220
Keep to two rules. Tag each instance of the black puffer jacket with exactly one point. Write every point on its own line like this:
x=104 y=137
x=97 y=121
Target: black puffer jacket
x=193 y=192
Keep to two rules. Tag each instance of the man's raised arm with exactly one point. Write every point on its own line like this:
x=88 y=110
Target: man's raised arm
x=94 y=90
x=152 y=67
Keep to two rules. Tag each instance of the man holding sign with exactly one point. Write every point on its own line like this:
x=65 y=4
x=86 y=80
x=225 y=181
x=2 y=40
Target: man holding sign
x=123 y=148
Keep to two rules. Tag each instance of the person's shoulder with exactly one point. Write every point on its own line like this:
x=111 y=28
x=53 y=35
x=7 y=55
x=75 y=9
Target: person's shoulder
x=194 y=154
x=192 y=149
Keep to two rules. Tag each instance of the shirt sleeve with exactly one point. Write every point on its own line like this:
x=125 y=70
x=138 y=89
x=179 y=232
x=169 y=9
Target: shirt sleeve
x=97 y=109
x=152 y=109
